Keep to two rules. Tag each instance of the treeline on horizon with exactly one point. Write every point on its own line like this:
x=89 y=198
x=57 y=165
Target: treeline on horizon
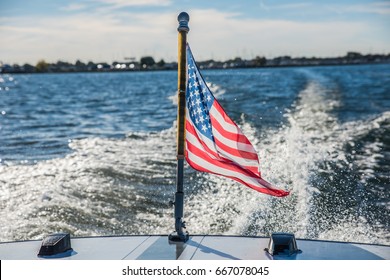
x=148 y=63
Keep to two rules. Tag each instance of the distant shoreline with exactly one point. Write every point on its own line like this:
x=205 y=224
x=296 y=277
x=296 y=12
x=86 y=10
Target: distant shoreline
x=148 y=64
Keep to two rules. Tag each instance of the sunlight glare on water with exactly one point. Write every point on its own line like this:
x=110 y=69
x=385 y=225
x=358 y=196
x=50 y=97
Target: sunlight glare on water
x=94 y=154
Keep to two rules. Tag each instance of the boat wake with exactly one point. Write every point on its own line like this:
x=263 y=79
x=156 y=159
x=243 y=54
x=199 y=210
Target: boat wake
x=328 y=166
x=336 y=172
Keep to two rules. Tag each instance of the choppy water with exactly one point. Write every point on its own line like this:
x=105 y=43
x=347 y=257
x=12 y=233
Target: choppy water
x=94 y=154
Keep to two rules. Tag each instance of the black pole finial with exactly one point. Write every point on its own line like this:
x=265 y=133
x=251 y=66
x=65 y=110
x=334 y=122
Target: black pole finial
x=183 y=19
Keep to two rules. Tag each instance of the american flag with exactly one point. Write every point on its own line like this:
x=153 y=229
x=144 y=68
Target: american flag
x=214 y=143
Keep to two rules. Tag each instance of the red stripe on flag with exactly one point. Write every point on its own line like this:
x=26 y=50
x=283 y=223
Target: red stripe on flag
x=241 y=138
x=236 y=152
x=191 y=129
x=217 y=155
x=260 y=186
x=227 y=119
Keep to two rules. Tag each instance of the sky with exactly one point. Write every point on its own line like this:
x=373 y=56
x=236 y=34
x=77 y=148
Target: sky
x=112 y=30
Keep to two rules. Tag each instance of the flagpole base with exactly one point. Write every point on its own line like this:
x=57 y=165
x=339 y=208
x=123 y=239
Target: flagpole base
x=175 y=237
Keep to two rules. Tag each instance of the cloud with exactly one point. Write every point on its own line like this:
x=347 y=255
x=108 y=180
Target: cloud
x=327 y=9
x=100 y=36
x=379 y=8
x=87 y=36
x=73 y=7
x=290 y=6
x=231 y=35
x=107 y=6
x=131 y=3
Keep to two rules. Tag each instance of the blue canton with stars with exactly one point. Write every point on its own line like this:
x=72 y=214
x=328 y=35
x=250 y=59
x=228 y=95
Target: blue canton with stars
x=199 y=99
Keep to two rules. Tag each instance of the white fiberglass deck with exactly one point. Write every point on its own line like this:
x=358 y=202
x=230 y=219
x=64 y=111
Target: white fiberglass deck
x=197 y=248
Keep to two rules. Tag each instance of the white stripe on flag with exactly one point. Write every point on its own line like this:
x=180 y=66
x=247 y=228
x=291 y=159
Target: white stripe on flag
x=239 y=160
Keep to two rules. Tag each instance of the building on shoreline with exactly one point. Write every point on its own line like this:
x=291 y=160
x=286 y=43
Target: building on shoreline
x=148 y=63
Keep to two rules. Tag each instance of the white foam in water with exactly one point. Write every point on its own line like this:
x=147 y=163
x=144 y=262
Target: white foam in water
x=289 y=158
x=122 y=186
x=98 y=189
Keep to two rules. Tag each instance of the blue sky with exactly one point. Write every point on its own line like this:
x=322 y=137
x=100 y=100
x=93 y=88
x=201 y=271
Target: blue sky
x=109 y=30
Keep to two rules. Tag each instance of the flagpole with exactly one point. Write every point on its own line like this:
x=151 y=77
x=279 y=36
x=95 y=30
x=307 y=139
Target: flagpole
x=179 y=235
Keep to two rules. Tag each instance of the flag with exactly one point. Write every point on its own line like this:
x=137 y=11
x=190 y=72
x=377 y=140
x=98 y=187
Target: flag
x=214 y=143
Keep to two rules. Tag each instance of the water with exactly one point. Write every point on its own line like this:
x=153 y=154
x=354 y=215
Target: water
x=94 y=154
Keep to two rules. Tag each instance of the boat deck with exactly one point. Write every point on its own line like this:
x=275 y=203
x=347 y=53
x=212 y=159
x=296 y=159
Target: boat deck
x=199 y=247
